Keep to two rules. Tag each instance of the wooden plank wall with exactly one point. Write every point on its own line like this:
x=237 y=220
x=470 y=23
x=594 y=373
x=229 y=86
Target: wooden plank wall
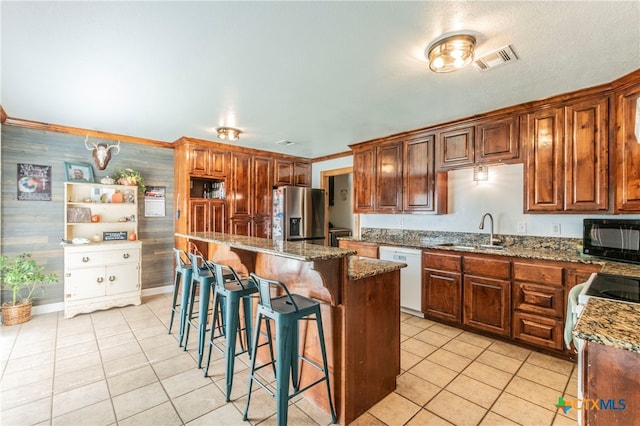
x=37 y=227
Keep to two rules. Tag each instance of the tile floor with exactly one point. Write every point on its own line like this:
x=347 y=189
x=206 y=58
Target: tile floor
x=121 y=367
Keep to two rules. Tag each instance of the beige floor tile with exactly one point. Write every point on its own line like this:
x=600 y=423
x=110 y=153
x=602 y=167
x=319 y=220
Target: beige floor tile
x=433 y=373
x=120 y=351
x=510 y=350
x=456 y=410
x=76 y=378
x=474 y=339
x=76 y=350
x=417 y=347
x=21 y=395
x=368 y=420
x=112 y=330
x=79 y=397
x=463 y=348
x=143 y=333
x=317 y=414
x=445 y=330
x=130 y=380
x=419 y=322
x=20 y=363
x=185 y=382
x=84 y=360
x=115 y=340
x=564 y=420
x=225 y=415
x=450 y=360
x=394 y=409
x=408 y=360
x=138 y=400
x=473 y=390
x=21 y=348
x=74 y=339
x=488 y=375
x=432 y=338
x=426 y=417
x=198 y=402
x=572 y=388
x=28 y=414
x=162 y=353
x=14 y=379
x=163 y=414
x=408 y=329
x=543 y=376
x=415 y=389
x=159 y=340
x=405 y=316
x=295 y=416
x=533 y=392
x=522 y=411
x=551 y=363
x=262 y=405
x=493 y=419
x=99 y=414
x=124 y=364
x=502 y=362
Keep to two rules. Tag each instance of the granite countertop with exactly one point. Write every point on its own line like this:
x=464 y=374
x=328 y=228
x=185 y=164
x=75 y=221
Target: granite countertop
x=289 y=249
x=363 y=267
x=610 y=323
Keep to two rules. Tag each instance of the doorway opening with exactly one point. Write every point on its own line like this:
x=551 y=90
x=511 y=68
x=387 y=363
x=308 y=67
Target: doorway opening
x=340 y=219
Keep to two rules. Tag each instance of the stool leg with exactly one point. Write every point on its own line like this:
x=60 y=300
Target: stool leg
x=231 y=328
x=283 y=369
x=176 y=285
x=184 y=301
x=256 y=336
x=294 y=355
x=216 y=302
x=205 y=289
x=246 y=302
x=192 y=298
x=324 y=364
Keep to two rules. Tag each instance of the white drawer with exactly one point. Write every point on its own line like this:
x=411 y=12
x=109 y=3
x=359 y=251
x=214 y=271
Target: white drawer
x=105 y=257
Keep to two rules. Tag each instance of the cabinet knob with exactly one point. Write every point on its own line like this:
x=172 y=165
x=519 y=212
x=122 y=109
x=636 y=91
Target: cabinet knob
x=85 y=259
x=100 y=280
x=112 y=278
x=125 y=255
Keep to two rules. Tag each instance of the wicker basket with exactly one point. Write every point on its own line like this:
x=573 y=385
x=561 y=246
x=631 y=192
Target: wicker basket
x=12 y=315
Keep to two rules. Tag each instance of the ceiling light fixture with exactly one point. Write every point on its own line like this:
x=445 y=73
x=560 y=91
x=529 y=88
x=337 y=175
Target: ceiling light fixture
x=228 y=133
x=451 y=53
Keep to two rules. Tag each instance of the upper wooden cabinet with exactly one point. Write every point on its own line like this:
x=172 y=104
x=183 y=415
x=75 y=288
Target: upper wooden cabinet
x=207 y=162
x=627 y=142
x=497 y=140
x=398 y=175
x=456 y=147
x=302 y=173
x=567 y=157
x=290 y=172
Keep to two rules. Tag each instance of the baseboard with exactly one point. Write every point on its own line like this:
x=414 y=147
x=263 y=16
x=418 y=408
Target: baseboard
x=59 y=306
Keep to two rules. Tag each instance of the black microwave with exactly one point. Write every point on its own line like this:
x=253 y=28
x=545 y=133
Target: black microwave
x=617 y=239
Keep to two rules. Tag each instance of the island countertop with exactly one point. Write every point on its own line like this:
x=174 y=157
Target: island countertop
x=610 y=323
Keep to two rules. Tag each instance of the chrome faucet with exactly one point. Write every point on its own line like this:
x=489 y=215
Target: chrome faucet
x=482 y=226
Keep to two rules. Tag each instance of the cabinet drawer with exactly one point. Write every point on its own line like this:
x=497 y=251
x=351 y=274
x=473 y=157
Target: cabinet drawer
x=538 y=330
x=443 y=262
x=538 y=273
x=96 y=258
x=484 y=267
x=539 y=299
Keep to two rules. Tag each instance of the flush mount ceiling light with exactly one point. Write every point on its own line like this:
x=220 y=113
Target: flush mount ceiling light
x=228 y=133
x=451 y=53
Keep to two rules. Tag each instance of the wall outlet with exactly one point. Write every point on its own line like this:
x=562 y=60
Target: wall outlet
x=522 y=227
x=555 y=229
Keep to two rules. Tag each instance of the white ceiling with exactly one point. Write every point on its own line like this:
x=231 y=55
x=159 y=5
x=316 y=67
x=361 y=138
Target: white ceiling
x=320 y=74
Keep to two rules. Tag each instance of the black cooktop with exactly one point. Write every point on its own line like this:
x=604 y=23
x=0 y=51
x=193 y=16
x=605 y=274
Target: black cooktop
x=615 y=287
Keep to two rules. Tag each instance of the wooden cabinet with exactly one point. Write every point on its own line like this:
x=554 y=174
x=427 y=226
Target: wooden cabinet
x=487 y=295
x=497 y=140
x=362 y=248
x=398 y=175
x=567 y=157
x=205 y=161
x=302 y=173
x=250 y=197
x=627 y=143
x=456 y=147
x=105 y=273
x=291 y=172
x=442 y=286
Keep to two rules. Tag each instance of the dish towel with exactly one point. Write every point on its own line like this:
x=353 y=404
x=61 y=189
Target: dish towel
x=572 y=316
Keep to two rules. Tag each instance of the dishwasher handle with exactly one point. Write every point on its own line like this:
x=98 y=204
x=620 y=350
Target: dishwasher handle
x=400 y=257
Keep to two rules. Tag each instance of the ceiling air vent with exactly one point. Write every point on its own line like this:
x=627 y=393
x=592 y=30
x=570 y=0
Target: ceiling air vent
x=502 y=56
x=285 y=142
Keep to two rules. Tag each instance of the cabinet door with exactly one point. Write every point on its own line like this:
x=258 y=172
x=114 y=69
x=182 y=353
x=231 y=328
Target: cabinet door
x=587 y=155
x=123 y=278
x=389 y=178
x=198 y=160
x=218 y=163
x=262 y=188
x=302 y=174
x=216 y=218
x=487 y=304
x=283 y=170
x=240 y=225
x=544 y=180
x=497 y=140
x=85 y=283
x=627 y=152
x=456 y=147
x=261 y=228
x=442 y=295
x=241 y=184
x=198 y=216
x=418 y=187
x=364 y=170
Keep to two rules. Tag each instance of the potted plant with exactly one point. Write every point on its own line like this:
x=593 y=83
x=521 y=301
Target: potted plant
x=24 y=278
x=130 y=177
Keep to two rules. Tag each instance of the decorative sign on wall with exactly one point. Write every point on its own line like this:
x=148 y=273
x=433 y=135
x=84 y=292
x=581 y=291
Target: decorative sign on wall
x=154 y=201
x=34 y=182
x=114 y=236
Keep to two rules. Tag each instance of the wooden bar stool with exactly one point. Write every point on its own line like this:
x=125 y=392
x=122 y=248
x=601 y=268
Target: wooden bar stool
x=286 y=311
x=202 y=279
x=182 y=287
x=233 y=291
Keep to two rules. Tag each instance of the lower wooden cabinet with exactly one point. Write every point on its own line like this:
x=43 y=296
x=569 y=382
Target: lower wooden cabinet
x=442 y=286
x=101 y=276
x=538 y=330
x=362 y=248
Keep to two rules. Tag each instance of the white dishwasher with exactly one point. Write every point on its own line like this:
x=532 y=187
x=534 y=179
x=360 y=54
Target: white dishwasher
x=410 y=277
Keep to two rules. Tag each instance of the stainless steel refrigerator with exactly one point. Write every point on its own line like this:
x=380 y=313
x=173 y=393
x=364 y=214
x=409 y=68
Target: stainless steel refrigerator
x=298 y=214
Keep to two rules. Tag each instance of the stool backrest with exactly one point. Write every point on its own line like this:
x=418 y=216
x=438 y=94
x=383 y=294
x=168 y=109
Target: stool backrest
x=264 y=290
x=197 y=264
x=224 y=273
x=182 y=258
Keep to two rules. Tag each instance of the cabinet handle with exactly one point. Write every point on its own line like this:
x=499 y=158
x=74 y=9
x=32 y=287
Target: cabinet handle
x=100 y=280
x=125 y=255
x=112 y=278
x=85 y=259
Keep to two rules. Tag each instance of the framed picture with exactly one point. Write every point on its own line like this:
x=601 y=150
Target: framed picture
x=78 y=172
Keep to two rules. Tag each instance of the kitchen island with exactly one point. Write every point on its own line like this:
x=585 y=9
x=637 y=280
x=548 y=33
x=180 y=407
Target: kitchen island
x=360 y=305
